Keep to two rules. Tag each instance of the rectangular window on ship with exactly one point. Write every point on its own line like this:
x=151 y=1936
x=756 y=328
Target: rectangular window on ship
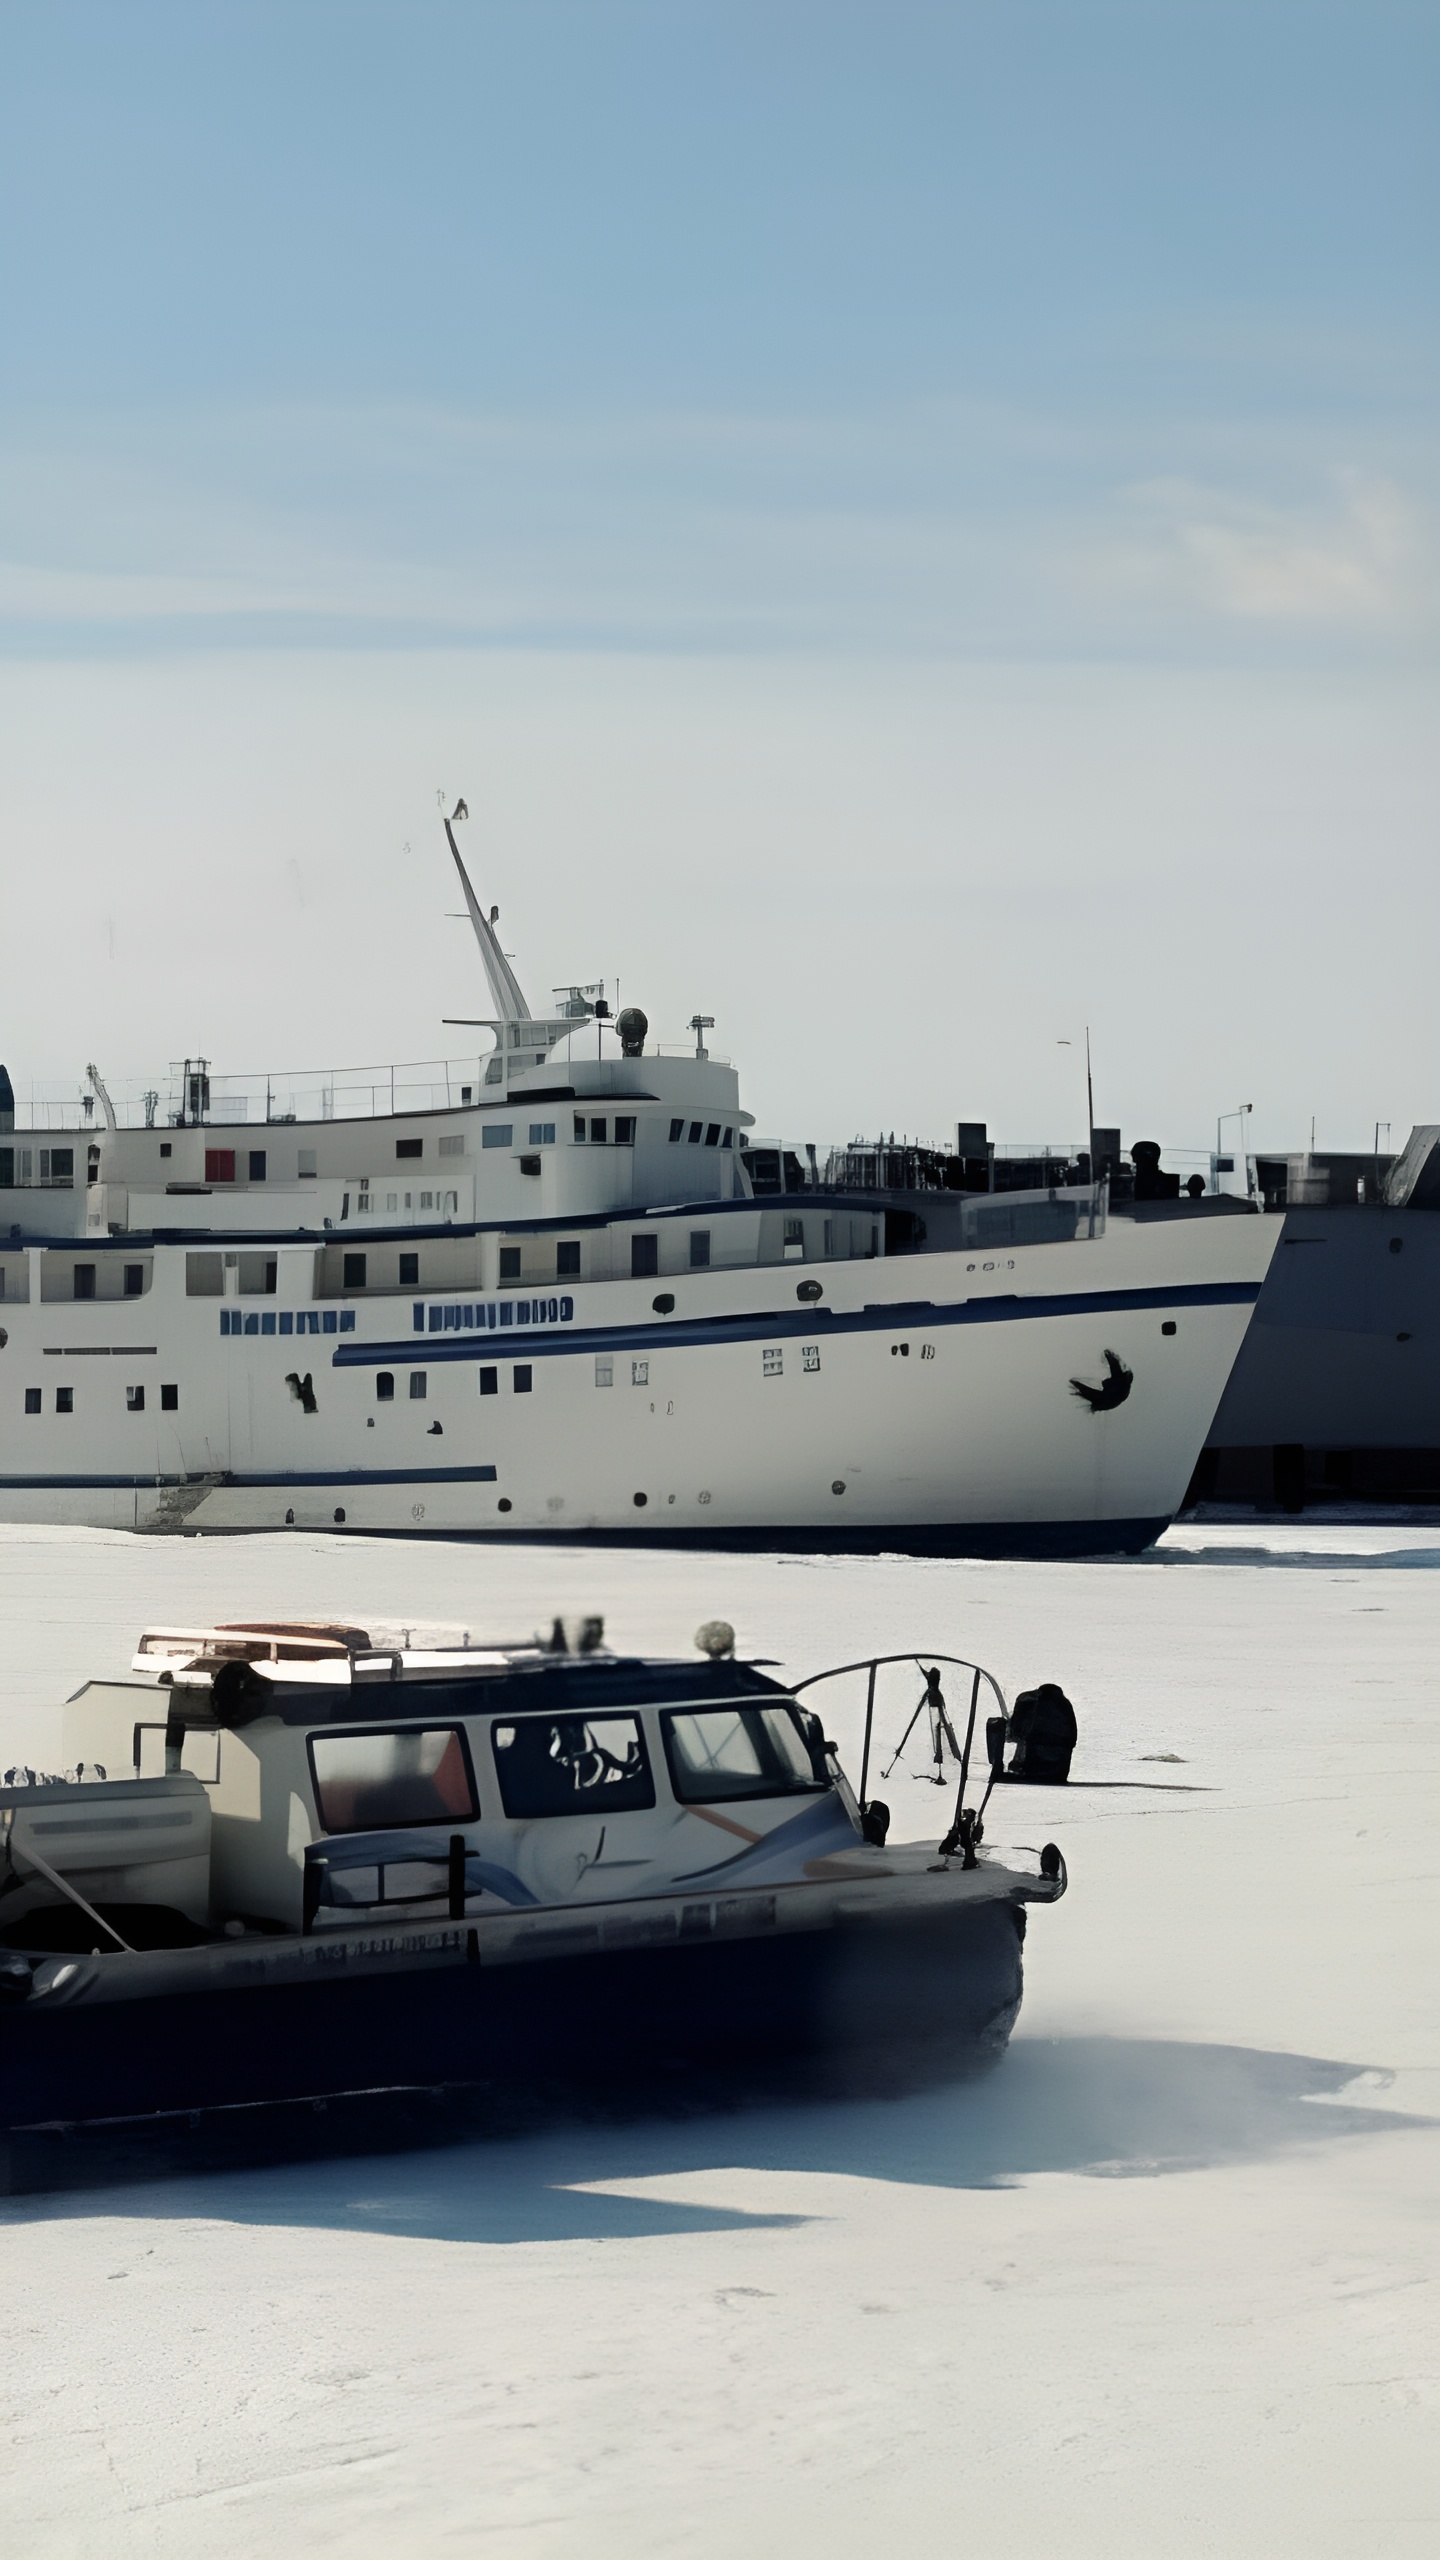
x=378 y=1781
x=724 y=1753
x=572 y=1764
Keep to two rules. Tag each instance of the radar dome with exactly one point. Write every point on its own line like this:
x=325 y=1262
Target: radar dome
x=632 y=1026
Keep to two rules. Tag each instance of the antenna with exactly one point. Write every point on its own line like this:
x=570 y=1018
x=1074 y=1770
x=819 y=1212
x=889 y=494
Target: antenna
x=505 y=987
x=700 y=1023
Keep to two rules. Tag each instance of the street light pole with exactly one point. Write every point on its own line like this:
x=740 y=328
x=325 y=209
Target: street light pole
x=1221 y=1118
x=1089 y=1099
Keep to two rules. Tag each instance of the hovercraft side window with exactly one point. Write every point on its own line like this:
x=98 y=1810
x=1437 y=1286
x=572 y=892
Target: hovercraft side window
x=719 y=1753
x=572 y=1764
x=378 y=1781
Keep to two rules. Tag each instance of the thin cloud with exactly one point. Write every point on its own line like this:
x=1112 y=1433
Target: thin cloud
x=932 y=528
x=1361 y=561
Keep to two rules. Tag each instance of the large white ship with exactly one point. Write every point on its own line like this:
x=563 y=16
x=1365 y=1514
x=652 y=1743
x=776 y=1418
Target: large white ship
x=563 y=1296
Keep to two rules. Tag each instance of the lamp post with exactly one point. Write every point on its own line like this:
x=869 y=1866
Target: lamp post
x=1221 y=1118
x=1089 y=1098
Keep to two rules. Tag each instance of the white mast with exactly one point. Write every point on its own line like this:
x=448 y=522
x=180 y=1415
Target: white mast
x=505 y=987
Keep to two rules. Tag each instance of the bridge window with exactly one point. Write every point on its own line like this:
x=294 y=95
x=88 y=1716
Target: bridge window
x=625 y=1133
x=497 y=1133
x=384 y=1386
x=489 y=1382
x=64 y=1399
x=134 y=1279
x=644 y=1257
x=677 y=1131
x=523 y=1377
x=700 y=1249
x=409 y=1269
x=542 y=1133
x=169 y=1399
x=409 y=1147
x=32 y=1399
x=417 y=1386
x=567 y=1261
x=510 y=1262
x=352 y=1270
x=84 y=1279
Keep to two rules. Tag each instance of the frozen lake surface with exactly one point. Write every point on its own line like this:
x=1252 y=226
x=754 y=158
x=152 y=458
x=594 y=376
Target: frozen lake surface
x=1164 y=2282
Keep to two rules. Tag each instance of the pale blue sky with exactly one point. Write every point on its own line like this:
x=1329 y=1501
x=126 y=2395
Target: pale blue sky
x=1088 y=338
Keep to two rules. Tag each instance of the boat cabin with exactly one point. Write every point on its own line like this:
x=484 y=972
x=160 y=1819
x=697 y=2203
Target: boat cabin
x=344 y=1779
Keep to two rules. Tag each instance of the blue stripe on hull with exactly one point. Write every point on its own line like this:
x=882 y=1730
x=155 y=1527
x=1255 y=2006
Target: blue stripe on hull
x=312 y=1475
x=824 y=1323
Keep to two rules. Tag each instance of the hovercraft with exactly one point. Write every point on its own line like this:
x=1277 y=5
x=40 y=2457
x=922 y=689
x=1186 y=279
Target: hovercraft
x=337 y=1867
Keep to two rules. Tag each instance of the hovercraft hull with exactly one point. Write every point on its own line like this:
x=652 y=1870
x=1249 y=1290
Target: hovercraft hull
x=570 y=2006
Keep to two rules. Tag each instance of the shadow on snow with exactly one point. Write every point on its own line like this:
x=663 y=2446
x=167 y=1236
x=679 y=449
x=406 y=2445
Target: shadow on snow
x=1079 y=2106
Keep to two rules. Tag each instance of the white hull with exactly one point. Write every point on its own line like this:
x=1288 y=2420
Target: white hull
x=935 y=1390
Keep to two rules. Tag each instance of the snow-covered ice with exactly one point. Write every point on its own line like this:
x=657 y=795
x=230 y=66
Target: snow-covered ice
x=1164 y=2282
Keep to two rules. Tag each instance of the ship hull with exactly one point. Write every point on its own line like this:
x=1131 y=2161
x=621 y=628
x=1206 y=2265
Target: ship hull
x=1335 y=1396
x=1048 y=1401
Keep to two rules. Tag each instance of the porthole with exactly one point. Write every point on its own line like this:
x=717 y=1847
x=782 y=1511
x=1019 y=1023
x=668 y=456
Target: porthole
x=339 y=1518
x=1167 y=1327
x=289 y=1519
x=504 y=1503
x=640 y=1500
x=839 y=1485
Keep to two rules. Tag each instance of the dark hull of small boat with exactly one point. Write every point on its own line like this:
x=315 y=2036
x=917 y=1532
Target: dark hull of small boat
x=143 y=2087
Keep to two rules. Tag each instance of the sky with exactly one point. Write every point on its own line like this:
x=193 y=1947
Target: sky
x=913 y=529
